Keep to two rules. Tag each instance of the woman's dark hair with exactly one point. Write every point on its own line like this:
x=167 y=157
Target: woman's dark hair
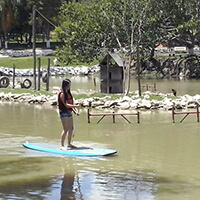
x=65 y=83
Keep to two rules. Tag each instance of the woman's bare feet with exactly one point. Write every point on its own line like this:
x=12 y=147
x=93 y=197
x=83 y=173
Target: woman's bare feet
x=63 y=148
x=70 y=146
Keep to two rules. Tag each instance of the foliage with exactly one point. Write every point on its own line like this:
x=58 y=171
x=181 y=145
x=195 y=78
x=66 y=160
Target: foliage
x=187 y=23
x=91 y=28
x=16 y=17
x=94 y=28
x=80 y=31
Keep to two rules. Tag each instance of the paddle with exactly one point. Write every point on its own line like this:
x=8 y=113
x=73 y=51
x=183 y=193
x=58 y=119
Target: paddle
x=76 y=121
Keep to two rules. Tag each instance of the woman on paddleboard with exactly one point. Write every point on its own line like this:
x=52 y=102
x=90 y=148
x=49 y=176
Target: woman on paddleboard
x=66 y=106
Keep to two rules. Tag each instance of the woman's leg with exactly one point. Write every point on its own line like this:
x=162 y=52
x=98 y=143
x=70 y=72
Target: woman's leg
x=70 y=131
x=64 y=121
x=67 y=123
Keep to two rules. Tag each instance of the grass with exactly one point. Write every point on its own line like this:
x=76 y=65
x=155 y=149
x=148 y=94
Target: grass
x=97 y=95
x=24 y=62
x=27 y=62
x=155 y=97
x=24 y=91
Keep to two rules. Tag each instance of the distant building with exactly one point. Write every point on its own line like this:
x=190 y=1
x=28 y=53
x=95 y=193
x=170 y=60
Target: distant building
x=162 y=49
x=180 y=49
x=112 y=74
x=177 y=49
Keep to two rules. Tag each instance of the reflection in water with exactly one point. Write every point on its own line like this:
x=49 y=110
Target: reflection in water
x=126 y=185
x=75 y=184
x=36 y=189
x=67 y=186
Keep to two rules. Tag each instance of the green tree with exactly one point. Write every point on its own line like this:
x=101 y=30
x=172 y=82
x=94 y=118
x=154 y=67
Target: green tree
x=47 y=11
x=16 y=17
x=7 y=13
x=186 y=23
x=22 y=27
x=80 y=30
x=91 y=28
x=95 y=27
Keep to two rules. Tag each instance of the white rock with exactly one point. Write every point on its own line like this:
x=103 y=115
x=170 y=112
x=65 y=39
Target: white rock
x=126 y=98
x=146 y=96
x=97 y=103
x=144 y=104
x=133 y=105
x=124 y=105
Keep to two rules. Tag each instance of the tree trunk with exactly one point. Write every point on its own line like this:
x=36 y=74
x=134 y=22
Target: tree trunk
x=6 y=41
x=48 y=45
x=191 y=51
x=0 y=42
x=128 y=77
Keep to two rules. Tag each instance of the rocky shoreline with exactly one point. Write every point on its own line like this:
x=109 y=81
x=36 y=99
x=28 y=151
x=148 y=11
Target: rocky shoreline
x=122 y=103
x=167 y=102
x=25 y=53
x=54 y=71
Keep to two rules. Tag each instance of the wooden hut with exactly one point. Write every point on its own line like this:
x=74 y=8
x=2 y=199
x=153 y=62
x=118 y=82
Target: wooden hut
x=112 y=74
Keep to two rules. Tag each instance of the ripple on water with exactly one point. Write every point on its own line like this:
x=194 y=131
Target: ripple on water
x=12 y=145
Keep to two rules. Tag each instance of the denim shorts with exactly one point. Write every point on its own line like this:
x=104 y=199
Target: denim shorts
x=64 y=114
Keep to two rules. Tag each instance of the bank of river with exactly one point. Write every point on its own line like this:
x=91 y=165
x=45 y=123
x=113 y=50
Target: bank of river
x=148 y=100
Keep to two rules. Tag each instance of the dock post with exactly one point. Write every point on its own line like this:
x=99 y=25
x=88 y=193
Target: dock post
x=173 y=120
x=39 y=66
x=154 y=86
x=88 y=115
x=14 y=76
x=138 y=117
x=48 y=74
x=113 y=117
x=197 y=112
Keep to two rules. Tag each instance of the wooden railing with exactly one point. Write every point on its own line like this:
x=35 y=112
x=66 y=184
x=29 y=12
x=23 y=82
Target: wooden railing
x=185 y=113
x=113 y=115
x=149 y=87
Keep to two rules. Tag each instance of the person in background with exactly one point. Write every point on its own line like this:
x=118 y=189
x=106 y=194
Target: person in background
x=174 y=92
x=55 y=62
x=66 y=106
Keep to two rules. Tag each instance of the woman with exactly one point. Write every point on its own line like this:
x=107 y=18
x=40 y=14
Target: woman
x=66 y=106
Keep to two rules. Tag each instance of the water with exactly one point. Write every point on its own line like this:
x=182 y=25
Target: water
x=86 y=84
x=156 y=159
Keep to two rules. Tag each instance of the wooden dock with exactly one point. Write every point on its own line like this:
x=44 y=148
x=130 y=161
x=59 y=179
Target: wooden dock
x=185 y=113
x=113 y=115
x=149 y=87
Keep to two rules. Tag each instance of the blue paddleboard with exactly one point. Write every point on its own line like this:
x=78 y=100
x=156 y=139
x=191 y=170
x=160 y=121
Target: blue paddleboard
x=79 y=151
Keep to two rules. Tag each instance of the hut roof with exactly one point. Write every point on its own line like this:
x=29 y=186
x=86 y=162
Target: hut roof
x=115 y=57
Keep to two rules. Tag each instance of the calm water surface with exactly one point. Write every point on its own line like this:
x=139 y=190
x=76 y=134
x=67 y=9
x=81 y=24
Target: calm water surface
x=183 y=86
x=156 y=160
